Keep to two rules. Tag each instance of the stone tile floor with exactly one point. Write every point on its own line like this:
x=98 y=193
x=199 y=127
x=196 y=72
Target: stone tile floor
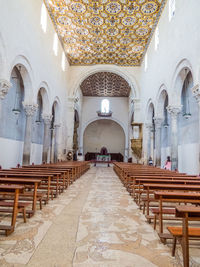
x=94 y=223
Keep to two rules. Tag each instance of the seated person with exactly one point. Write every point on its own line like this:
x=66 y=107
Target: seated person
x=168 y=164
x=150 y=161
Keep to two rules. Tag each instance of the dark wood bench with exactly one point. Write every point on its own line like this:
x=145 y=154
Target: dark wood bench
x=184 y=233
x=16 y=190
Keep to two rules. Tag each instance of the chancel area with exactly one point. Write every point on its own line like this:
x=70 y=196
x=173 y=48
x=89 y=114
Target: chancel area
x=99 y=133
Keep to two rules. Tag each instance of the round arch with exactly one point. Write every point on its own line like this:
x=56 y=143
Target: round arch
x=160 y=101
x=57 y=109
x=27 y=76
x=103 y=118
x=97 y=119
x=44 y=90
x=178 y=80
x=131 y=81
x=150 y=109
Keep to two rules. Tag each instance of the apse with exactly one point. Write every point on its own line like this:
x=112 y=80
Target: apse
x=104 y=133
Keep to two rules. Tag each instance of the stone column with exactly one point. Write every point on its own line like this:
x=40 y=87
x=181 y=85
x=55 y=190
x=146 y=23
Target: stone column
x=148 y=127
x=52 y=145
x=4 y=87
x=70 y=123
x=126 y=154
x=158 y=125
x=196 y=94
x=46 y=140
x=56 y=144
x=174 y=111
x=29 y=111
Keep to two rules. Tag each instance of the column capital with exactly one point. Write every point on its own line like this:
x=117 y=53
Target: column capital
x=57 y=125
x=149 y=125
x=47 y=118
x=174 y=110
x=158 y=122
x=29 y=108
x=71 y=102
x=196 y=93
x=4 y=87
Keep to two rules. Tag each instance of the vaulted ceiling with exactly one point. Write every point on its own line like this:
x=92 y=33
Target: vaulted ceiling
x=105 y=84
x=105 y=31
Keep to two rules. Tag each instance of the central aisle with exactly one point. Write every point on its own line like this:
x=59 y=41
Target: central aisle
x=101 y=227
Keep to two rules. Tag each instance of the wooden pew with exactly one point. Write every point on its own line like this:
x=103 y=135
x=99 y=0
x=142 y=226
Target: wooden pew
x=16 y=189
x=166 y=187
x=187 y=213
x=23 y=181
x=46 y=179
x=173 y=197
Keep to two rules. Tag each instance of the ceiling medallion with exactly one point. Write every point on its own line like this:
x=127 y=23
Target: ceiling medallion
x=108 y=29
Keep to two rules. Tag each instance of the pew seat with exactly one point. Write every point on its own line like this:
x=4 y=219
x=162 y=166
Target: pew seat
x=177 y=233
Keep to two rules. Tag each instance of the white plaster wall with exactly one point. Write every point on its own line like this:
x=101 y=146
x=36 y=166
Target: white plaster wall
x=176 y=42
x=36 y=153
x=23 y=41
x=179 y=42
x=11 y=152
x=165 y=152
x=104 y=133
x=21 y=37
x=118 y=105
x=188 y=158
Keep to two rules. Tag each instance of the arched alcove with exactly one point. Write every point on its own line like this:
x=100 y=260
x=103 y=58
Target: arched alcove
x=55 y=132
x=187 y=126
x=150 y=136
x=104 y=133
x=75 y=136
x=163 y=103
x=13 y=120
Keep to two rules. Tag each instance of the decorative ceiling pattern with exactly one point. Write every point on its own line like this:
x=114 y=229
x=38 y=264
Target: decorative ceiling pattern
x=105 y=84
x=105 y=31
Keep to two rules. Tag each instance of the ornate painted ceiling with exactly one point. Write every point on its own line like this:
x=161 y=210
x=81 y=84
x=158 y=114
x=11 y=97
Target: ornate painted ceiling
x=105 y=31
x=105 y=84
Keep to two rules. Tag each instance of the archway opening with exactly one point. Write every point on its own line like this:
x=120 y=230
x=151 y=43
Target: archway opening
x=107 y=134
x=187 y=126
x=13 y=120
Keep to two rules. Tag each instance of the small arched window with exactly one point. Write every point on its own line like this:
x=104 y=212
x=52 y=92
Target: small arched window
x=105 y=105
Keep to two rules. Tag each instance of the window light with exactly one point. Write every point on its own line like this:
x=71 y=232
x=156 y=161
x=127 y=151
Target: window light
x=172 y=7
x=55 y=44
x=145 y=63
x=43 y=20
x=156 y=38
x=105 y=106
x=63 y=61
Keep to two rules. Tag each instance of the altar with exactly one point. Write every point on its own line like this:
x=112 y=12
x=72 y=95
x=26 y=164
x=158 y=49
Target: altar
x=103 y=158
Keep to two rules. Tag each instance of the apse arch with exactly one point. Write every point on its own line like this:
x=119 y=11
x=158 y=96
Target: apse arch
x=104 y=136
x=131 y=81
x=112 y=119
